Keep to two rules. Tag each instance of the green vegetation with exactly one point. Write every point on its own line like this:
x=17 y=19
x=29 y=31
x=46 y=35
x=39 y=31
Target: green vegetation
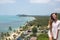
x=25 y=28
x=10 y=28
x=40 y=31
x=59 y=16
x=41 y=20
x=7 y=34
x=34 y=30
x=2 y=35
x=42 y=37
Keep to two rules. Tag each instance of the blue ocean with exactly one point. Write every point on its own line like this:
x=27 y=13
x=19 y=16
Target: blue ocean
x=13 y=21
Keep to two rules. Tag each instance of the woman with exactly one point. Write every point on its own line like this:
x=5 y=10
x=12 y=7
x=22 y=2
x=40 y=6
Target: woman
x=53 y=27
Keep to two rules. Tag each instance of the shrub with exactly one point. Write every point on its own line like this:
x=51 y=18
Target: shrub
x=42 y=37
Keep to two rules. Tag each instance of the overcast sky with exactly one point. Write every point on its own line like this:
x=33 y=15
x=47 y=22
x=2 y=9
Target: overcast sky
x=29 y=7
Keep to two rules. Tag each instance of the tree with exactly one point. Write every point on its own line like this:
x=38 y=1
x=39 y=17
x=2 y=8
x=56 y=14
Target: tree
x=25 y=28
x=10 y=28
x=2 y=35
x=34 y=30
x=14 y=30
x=7 y=34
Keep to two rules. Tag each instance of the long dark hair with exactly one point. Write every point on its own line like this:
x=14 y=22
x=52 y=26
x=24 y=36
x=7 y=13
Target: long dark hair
x=51 y=20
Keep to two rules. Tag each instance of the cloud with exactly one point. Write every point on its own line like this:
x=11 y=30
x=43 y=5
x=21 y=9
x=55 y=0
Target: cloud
x=57 y=0
x=57 y=10
x=40 y=1
x=7 y=1
x=54 y=2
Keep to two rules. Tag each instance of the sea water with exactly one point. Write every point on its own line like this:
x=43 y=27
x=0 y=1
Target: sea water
x=13 y=21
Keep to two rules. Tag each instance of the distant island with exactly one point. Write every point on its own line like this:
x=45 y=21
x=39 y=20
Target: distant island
x=24 y=15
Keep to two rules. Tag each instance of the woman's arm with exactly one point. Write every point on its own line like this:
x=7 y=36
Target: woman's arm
x=58 y=31
x=49 y=28
x=59 y=26
x=57 y=34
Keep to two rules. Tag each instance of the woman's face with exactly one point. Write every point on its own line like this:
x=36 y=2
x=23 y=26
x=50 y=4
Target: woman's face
x=54 y=16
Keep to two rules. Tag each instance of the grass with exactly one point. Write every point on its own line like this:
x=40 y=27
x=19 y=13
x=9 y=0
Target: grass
x=42 y=37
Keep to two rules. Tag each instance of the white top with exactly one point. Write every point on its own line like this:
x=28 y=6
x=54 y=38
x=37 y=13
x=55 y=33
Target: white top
x=55 y=28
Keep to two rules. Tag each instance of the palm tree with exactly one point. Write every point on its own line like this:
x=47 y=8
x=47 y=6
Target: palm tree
x=7 y=34
x=2 y=35
x=10 y=28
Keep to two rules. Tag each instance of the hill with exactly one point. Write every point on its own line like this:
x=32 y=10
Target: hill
x=41 y=20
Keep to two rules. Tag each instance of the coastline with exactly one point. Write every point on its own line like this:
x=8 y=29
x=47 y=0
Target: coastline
x=11 y=32
x=14 y=22
x=42 y=28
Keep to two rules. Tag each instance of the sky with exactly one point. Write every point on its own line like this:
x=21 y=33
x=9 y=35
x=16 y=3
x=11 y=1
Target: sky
x=29 y=7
